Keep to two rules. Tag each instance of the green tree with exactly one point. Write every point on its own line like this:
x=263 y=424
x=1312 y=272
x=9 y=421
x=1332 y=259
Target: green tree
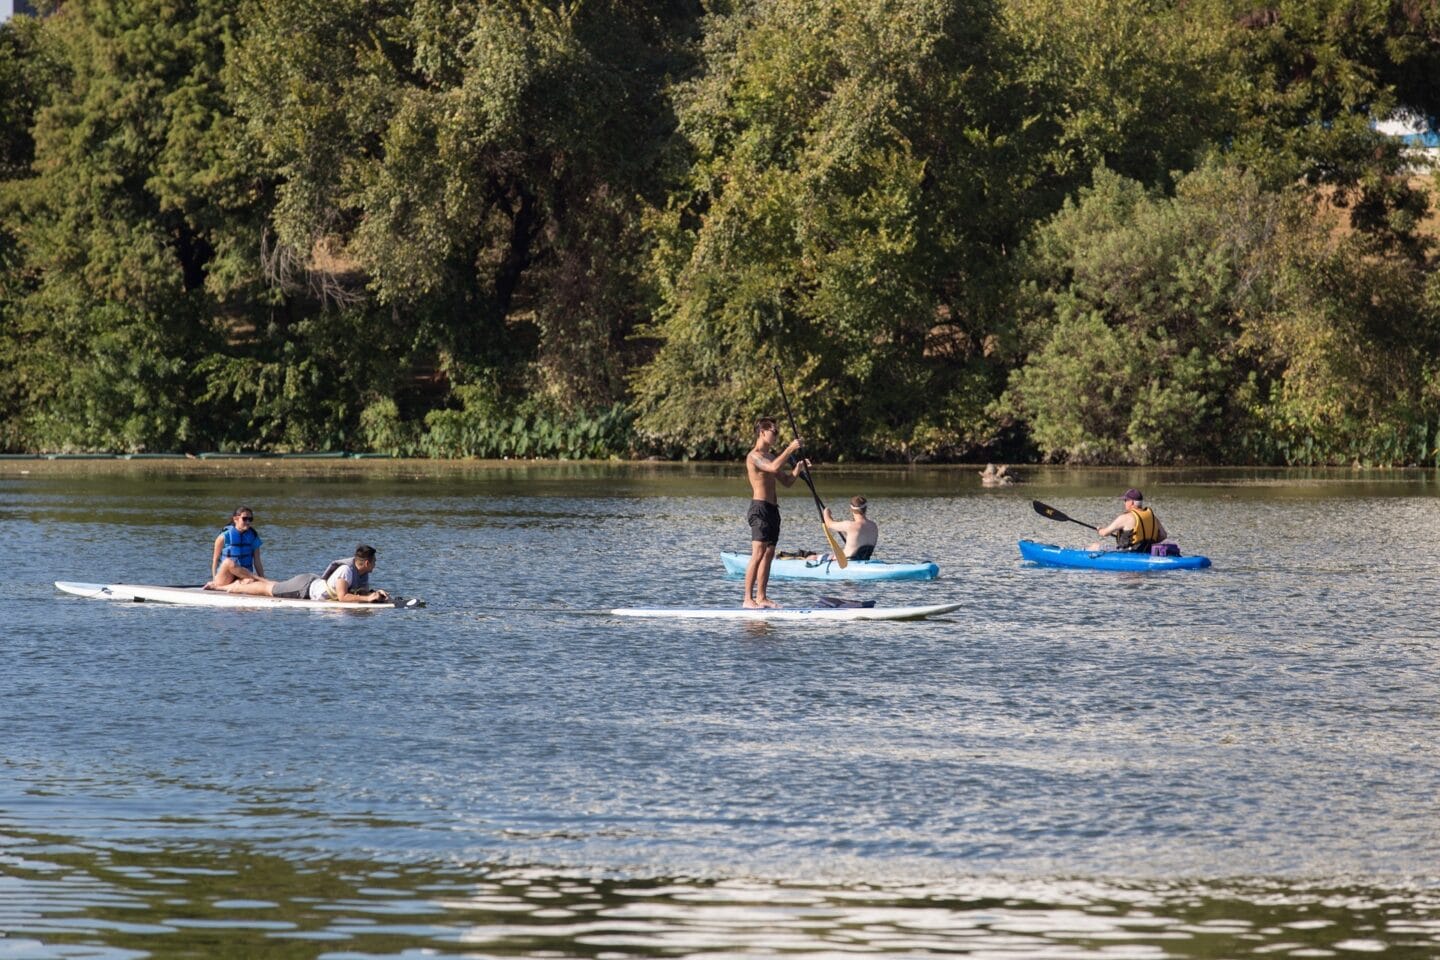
x=1309 y=77
x=1136 y=87
x=468 y=173
x=1224 y=324
x=852 y=177
x=27 y=74
x=128 y=234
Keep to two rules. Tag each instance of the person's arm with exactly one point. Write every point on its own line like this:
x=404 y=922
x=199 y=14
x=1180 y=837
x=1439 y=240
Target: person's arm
x=343 y=594
x=788 y=479
x=775 y=465
x=215 y=556
x=1114 y=526
x=259 y=567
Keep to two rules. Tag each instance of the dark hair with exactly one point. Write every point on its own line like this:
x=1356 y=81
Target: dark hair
x=858 y=502
x=763 y=424
x=240 y=510
x=365 y=552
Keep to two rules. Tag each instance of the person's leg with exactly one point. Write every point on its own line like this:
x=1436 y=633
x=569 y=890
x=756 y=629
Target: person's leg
x=770 y=537
x=224 y=575
x=757 y=553
x=296 y=588
x=762 y=576
x=250 y=588
x=229 y=571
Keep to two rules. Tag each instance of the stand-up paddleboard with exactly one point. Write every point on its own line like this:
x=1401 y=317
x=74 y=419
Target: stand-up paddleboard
x=199 y=597
x=795 y=568
x=790 y=613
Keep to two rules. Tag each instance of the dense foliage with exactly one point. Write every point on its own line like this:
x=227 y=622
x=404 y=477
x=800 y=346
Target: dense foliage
x=1157 y=232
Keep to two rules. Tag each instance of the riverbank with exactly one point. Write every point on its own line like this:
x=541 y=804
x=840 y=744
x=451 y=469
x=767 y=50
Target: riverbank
x=722 y=477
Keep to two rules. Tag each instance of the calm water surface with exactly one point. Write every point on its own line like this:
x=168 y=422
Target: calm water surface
x=1226 y=763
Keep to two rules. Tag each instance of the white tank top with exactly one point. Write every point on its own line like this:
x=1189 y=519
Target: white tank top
x=328 y=588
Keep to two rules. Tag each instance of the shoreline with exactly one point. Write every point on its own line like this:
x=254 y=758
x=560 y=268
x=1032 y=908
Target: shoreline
x=958 y=475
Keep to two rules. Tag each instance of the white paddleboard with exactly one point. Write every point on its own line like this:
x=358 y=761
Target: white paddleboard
x=198 y=597
x=789 y=613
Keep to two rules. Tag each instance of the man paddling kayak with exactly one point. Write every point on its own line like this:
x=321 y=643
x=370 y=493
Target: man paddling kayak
x=347 y=580
x=860 y=534
x=763 y=467
x=1137 y=529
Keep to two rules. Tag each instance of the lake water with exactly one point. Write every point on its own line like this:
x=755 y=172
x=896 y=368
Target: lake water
x=1234 y=762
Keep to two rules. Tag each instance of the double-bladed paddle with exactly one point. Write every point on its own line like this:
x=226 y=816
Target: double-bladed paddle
x=1050 y=513
x=835 y=550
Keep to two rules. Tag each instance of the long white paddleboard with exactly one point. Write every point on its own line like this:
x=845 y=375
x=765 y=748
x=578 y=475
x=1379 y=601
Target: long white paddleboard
x=198 y=597
x=791 y=613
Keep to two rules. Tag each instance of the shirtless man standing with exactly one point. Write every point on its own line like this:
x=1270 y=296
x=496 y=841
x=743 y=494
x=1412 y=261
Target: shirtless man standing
x=764 y=467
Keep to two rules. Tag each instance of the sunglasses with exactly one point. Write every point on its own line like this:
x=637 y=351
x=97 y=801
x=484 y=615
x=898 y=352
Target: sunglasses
x=246 y=517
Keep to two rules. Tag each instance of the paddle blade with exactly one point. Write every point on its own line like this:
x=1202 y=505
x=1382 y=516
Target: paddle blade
x=1048 y=512
x=835 y=550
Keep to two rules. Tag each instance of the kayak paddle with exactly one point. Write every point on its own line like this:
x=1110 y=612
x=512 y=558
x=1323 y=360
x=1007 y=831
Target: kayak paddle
x=835 y=550
x=1050 y=513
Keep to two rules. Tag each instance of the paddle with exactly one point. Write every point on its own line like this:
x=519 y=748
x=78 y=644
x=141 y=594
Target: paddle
x=835 y=550
x=1050 y=513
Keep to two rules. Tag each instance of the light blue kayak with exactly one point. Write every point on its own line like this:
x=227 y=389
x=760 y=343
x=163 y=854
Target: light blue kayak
x=1047 y=554
x=788 y=568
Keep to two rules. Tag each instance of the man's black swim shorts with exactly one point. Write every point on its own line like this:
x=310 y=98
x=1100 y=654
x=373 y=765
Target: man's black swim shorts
x=764 y=520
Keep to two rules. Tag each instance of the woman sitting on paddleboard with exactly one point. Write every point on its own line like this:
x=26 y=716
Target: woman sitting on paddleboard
x=237 y=552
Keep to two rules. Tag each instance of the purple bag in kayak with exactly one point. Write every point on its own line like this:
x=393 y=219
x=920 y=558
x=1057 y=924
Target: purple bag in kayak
x=1166 y=549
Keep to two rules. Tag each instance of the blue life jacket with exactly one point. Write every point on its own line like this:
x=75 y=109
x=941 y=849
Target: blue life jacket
x=240 y=547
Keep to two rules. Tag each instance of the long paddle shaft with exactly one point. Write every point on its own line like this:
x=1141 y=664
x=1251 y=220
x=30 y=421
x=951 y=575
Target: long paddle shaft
x=835 y=550
x=1050 y=513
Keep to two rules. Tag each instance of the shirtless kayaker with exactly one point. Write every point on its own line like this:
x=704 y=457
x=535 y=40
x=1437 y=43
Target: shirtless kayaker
x=860 y=533
x=763 y=466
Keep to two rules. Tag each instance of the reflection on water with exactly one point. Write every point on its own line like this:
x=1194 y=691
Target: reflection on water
x=1075 y=765
x=60 y=900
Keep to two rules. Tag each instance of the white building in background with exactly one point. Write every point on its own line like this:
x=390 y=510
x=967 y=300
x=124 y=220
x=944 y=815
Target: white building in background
x=1419 y=136
x=8 y=8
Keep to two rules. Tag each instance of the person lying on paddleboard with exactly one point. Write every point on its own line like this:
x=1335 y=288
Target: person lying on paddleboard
x=236 y=556
x=347 y=580
x=860 y=534
x=763 y=467
x=1136 y=530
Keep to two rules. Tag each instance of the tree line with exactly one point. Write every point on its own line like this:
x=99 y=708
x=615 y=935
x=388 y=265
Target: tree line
x=1125 y=231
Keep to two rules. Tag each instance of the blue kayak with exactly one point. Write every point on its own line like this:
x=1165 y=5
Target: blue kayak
x=788 y=568
x=1047 y=554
